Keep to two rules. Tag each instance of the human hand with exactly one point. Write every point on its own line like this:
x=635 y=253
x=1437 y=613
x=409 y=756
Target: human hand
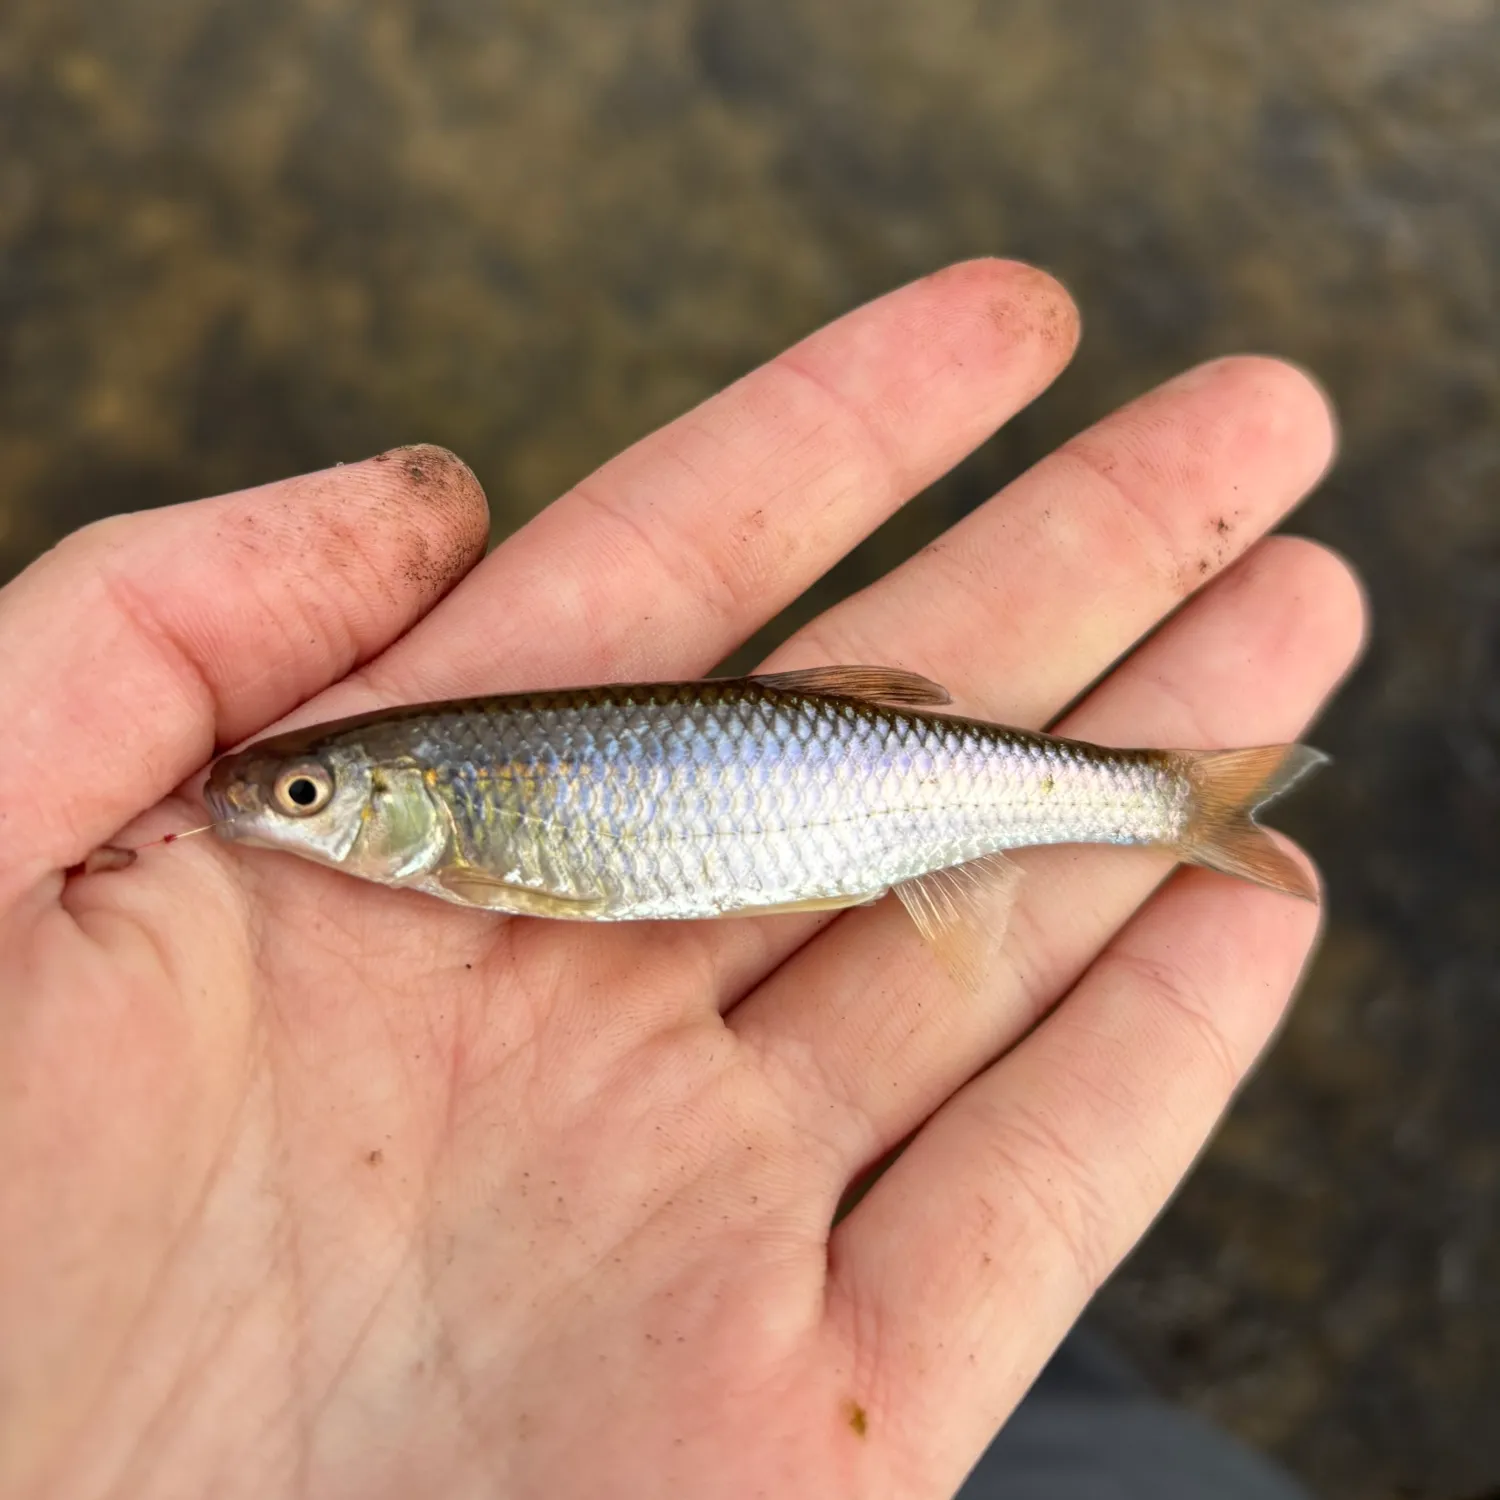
x=319 y=1188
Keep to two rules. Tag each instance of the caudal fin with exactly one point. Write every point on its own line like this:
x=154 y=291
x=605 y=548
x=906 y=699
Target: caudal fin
x=1229 y=787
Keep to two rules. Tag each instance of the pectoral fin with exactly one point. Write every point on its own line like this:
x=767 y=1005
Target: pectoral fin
x=888 y=685
x=475 y=888
x=962 y=912
x=813 y=903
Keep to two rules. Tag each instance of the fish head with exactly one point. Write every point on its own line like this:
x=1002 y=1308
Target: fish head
x=330 y=803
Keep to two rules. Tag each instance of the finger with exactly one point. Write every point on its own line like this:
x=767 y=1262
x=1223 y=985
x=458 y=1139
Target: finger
x=1024 y=603
x=138 y=643
x=1027 y=600
x=1248 y=662
x=664 y=560
x=965 y=1265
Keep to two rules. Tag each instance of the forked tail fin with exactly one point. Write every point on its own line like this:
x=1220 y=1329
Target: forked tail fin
x=1229 y=788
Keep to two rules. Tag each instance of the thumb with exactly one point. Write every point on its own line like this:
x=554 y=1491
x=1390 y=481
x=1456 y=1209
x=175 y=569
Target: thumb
x=138 y=644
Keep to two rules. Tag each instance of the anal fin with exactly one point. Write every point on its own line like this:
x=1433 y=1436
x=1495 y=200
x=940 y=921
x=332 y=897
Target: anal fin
x=962 y=912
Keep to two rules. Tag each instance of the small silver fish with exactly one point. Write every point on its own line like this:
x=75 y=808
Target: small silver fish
x=797 y=791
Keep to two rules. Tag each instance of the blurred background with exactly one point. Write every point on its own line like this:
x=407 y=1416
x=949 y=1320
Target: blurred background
x=245 y=238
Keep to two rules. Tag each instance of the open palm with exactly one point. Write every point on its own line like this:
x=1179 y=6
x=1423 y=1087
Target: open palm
x=319 y=1188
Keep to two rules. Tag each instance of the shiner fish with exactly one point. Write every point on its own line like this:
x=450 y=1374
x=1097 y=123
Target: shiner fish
x=798 y=791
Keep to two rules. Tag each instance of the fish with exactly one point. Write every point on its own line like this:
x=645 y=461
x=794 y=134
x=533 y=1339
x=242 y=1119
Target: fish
x=812 y=790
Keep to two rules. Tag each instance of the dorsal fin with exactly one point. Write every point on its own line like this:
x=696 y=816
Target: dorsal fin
x=889 y=685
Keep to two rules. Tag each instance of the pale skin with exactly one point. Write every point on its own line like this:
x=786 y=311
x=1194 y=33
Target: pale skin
x=317 y=1188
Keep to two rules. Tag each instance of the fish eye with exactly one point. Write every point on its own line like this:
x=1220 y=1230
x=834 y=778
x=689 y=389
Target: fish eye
x=303 y=790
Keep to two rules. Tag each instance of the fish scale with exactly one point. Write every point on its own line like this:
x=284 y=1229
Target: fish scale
x=687 y=803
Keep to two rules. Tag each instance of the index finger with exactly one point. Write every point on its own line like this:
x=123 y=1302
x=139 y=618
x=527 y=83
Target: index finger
x=672 y=554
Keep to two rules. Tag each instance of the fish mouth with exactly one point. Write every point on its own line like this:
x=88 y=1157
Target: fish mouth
x=230 y=825
x=229 y=816
x=235 y=825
